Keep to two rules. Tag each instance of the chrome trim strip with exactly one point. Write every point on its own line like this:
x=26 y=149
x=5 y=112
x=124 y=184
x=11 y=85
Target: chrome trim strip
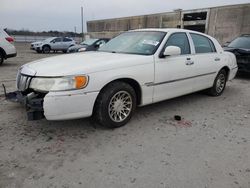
x=177 y=80
x=234 y=68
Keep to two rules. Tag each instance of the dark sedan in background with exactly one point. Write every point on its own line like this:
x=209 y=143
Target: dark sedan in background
x=88 y=45
x=241 y=49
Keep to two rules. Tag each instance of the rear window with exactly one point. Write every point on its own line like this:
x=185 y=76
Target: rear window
x=3 y=33
x=202 y=44
x=66 y=40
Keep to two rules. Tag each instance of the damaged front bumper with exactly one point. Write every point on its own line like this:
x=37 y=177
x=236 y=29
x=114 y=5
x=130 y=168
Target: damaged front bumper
x=32 y=101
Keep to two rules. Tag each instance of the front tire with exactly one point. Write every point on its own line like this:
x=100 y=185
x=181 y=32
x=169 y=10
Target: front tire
x=219 y=84
x=46 y=49
x=115 y=105
x=1 y=58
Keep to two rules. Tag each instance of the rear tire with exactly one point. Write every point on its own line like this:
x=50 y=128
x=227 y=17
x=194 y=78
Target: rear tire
x=1 y=58
x=46 y=49
x=219 y=84
x=115 y=105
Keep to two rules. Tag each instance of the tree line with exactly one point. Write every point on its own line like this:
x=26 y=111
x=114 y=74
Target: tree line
x=42 y=33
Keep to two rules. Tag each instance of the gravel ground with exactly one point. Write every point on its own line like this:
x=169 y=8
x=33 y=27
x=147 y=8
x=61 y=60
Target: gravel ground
x=210 y=148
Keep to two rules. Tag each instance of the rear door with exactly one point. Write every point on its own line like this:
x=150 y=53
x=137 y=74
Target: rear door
x=206 y=60
x=66 y=43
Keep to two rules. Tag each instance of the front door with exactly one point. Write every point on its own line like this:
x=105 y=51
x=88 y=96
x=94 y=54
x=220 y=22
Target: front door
x=174 y=74
x=56 y=44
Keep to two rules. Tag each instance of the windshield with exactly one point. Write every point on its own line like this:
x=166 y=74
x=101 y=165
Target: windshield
x=49 y=39
x=88 y=42
x=136 y=42
x=240 y=42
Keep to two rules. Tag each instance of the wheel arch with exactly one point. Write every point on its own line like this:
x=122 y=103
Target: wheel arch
x=227 y=69
x=46 y=45
x=3 y=52
x=132 y=82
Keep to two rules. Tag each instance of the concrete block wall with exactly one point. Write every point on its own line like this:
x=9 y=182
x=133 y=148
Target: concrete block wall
x=224 y=23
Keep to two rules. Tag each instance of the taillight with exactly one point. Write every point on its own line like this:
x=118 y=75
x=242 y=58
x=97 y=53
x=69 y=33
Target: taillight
x=9 y=39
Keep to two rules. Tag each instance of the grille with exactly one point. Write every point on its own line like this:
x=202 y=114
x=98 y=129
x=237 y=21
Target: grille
x=23 y=82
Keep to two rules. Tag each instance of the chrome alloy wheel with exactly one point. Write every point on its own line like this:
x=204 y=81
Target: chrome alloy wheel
x=220 y=83
x=120 y=106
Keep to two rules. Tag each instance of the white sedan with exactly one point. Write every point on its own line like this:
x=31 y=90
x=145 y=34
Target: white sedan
x=136 y=68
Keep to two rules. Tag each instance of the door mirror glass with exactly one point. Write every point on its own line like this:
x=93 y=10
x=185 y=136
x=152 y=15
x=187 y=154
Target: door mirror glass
x=171 y=51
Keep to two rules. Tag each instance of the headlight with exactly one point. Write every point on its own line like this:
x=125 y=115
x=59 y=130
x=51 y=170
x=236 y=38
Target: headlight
x=59 y=84
x=82 y=50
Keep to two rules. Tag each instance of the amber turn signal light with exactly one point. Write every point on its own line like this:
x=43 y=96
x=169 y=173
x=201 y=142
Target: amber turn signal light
x=81 y=81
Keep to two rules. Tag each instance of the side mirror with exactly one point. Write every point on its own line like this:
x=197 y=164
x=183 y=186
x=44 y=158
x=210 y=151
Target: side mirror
x=172 y=50
x=226 y=44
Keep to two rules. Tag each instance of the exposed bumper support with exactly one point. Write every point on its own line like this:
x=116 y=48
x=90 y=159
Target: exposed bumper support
x=33 y=104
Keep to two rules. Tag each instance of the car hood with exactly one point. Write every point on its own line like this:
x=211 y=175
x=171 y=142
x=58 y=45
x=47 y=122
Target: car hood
x=77 y=46
x=237 y=51
x=84 y=63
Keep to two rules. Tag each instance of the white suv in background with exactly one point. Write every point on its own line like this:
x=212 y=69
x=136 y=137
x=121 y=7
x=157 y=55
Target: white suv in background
x=54 y=44
x=7 y=49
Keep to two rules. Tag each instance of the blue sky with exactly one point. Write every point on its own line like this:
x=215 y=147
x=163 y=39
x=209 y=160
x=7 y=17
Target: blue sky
x=64 y=15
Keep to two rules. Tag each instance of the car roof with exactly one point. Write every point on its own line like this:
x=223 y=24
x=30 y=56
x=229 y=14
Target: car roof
x=161 y=29
x=172 y=30
x=51 y=38
x=99 y=38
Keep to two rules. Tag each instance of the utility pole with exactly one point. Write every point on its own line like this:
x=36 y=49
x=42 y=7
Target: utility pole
x=82 y=23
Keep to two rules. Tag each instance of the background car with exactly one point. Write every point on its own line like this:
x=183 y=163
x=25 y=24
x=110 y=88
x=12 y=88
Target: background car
x=53 y=43
x=7 y=49
x=33 y=45
x=88 y=45
x=241 y=49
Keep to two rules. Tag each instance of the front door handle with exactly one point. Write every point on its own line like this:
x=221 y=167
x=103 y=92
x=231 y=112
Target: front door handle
x=189 y=62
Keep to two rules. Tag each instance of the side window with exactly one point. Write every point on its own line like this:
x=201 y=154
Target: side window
x=202 y=44
x=57 y=40
x=66 y=40
x=180 y=40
